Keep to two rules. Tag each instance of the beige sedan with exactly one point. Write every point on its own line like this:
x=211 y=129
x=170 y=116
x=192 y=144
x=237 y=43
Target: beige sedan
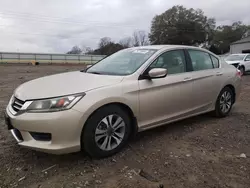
x=133 y=90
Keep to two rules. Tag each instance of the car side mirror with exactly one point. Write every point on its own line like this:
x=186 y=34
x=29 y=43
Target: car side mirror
x=157 y=73
x=247 y=59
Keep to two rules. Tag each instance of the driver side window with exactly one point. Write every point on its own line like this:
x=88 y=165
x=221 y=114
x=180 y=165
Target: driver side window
x=173 y=61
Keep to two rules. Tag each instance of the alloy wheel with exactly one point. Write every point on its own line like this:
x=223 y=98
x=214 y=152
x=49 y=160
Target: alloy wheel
x=225 y=102
x=110 y=132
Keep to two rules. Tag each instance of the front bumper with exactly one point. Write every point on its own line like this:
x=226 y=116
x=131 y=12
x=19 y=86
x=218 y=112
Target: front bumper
x=64 y=127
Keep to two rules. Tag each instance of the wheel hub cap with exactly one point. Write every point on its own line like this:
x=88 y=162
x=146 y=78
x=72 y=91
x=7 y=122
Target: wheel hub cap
x=225 y=102
x=110 y=132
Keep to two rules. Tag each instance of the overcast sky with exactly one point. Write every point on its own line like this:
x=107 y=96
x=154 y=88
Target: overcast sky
x=57 y=25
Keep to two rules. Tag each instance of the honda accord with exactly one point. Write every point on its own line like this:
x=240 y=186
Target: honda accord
x=98 y=109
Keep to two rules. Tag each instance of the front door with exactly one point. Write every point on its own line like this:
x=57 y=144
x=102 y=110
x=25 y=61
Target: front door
x=164 y=99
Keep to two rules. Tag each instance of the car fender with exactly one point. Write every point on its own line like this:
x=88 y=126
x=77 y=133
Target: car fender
x=94 y=100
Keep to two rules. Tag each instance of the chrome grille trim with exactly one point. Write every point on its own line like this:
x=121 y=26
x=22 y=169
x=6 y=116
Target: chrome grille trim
x=17 y=104
x=16 y=108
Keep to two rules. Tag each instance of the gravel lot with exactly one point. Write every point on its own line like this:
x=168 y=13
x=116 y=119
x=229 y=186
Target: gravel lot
x=198 y=152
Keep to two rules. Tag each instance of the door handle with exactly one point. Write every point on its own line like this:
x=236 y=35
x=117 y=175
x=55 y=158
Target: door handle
x=187 y=79
x=219 y=73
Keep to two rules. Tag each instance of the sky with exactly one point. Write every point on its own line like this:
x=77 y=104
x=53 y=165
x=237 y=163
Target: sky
x=54 y=26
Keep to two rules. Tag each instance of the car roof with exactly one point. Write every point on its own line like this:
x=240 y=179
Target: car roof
x=240 y=54
x=165 y=47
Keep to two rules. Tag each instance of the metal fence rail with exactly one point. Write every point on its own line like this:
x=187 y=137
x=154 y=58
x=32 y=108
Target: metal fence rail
x=13 y=57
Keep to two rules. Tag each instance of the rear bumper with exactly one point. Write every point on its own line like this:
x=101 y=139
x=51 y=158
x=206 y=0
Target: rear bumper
x=64 y=128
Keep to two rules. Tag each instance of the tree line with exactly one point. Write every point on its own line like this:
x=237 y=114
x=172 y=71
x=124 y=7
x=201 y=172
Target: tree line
x=178 y=25
x=107 y=46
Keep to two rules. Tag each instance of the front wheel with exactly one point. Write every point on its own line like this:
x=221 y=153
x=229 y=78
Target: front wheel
x=242 y=70
x=106 y=131
x=224 y=102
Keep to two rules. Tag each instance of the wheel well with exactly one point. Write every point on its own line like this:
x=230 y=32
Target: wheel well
x=233 y=90
x=128 y=110
x=242 y=66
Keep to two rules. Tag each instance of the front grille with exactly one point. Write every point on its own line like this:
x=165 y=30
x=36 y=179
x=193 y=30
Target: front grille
x=17 y=104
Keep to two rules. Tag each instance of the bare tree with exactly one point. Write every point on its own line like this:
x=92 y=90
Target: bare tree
x=89 y=50
x=140 y=38
x=86 y=49
x=126 y=42
x=104 y=42
x=136 y=39
x=75 y=50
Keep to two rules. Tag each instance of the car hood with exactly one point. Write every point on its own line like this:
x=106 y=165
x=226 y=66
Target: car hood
x=232 y=62
x=63 y=84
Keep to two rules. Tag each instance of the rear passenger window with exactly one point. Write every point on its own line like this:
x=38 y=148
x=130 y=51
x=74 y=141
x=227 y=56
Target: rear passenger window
x=200 y=60
x=215 y=61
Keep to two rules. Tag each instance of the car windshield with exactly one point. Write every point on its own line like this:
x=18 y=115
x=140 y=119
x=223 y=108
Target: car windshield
x=124 y=62
x=235 y=57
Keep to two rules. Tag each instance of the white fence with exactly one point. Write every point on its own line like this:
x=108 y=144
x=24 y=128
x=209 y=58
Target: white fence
x=12 y=57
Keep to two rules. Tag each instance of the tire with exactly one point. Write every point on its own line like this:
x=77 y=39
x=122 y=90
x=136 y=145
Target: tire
x=225 y=99
x=242 y=70
x=99 y=137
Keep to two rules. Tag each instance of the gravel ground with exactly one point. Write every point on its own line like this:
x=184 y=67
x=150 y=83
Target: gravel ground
x=198 y=152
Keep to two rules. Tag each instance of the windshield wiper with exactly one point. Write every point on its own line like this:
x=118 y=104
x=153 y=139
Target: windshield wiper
x=94 y=72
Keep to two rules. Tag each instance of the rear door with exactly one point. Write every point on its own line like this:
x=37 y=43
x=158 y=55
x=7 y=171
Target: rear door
x=164 y=99
x=206 y=79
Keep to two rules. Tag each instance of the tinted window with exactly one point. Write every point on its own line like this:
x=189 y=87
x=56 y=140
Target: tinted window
x=173 y=61
x=215 y=61
x=200 y=60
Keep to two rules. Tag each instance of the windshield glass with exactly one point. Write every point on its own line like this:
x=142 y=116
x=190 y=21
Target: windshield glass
x=235 y=57
x=124 y=62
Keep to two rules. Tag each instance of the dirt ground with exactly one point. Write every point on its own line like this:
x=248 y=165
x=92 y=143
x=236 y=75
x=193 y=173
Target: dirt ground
x=198 y=152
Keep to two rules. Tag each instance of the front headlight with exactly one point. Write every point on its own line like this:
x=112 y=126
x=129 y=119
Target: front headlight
x=54 y=104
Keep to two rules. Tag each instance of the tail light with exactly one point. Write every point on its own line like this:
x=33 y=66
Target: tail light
x=238 y=73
